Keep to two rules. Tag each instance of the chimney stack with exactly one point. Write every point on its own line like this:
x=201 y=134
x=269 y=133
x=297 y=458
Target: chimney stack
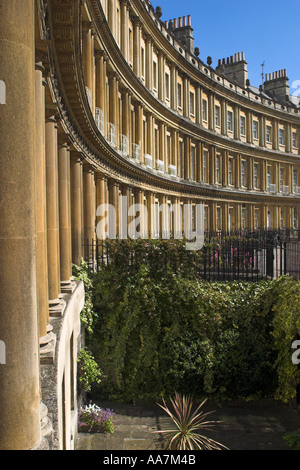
x=234 y=68
x=183 y=32
x=277 y=85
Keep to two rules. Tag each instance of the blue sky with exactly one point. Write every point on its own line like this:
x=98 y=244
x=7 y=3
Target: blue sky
x=266 y=30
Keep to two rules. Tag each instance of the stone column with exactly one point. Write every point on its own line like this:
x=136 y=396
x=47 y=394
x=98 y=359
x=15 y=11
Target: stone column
x=211 y=111
x=76 y=208
x=114 y=201
x=161 y=76
x=149 y=63
x=113 y=102
x=100 y=79
x=237 y=124
x=186 y=96
x=139 y=128
x=126 y=119
x=40 y=190
x=52 y=209
x=101 y=198
x=89 y=207
x=65 y=242
x=250 y=175
x=19 y=376
x=87 y=53
x=137 y=45
x=174 y=81
x=124 y=28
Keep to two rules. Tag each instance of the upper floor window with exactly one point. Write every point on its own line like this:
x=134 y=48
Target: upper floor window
x=205 y=159
x=179 y=95
x=295 y=218
x=193 y=152
x=268 y=134
x=269 y=178
x=217 y=116
x=218 y=169
x=143 y=63
x=243 y=125
x=281 y=137
x=256 y=218
x=230 y=171
x=218 y=221
x=230 y=121
x=281 y=218
x=255 y=175
x=243 y=218
x=281 y=178
x=243 y=173
x=205 y=217
x=204 y=110
x=192 y=103
x=154 y=75
x=255 y=130
x=294 y=139
x=167 y=85
x=295 y=179
x=130 y=44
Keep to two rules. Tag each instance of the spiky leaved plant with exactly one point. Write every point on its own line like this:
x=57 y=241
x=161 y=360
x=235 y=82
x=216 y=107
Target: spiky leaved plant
x=189 y=426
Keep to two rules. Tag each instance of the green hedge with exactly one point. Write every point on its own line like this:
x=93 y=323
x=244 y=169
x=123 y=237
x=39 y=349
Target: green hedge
x=156 y=332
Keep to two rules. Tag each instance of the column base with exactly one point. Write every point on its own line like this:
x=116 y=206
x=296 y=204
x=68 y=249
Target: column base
x=46 y=429
x=67 y=287
x=47 y=347
x=57 y=306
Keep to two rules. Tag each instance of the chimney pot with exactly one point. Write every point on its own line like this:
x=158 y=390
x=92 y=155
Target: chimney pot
x=179 y=22
x=184 y=21
x=189 y=20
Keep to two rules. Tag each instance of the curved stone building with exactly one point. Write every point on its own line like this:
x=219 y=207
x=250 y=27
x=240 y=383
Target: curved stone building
x=101 y=99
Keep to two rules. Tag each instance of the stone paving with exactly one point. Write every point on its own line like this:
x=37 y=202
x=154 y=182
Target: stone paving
x=252 y=426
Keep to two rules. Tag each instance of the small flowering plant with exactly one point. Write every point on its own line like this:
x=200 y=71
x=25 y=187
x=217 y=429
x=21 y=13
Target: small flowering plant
x=93 y=419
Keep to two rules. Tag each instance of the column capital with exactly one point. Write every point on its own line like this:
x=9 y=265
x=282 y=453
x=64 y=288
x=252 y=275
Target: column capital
x=76 y=156
x=87 y=24
x=137 y=21
x=101 y=54
x=100 y=176
x=125 y=3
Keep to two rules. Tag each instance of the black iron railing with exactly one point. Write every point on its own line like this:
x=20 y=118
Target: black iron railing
x=242 y=255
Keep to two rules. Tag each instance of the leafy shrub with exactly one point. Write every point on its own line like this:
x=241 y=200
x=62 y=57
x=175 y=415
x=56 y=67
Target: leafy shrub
x=88 y=370
x=286 y=327
x=158 y=331
x=88 y=314
x=293 y=440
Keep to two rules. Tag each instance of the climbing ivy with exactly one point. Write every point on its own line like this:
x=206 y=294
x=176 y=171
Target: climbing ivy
x=156 y=331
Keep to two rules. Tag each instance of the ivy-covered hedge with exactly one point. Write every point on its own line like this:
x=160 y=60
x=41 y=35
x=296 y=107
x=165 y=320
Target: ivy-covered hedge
x=156 y=332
